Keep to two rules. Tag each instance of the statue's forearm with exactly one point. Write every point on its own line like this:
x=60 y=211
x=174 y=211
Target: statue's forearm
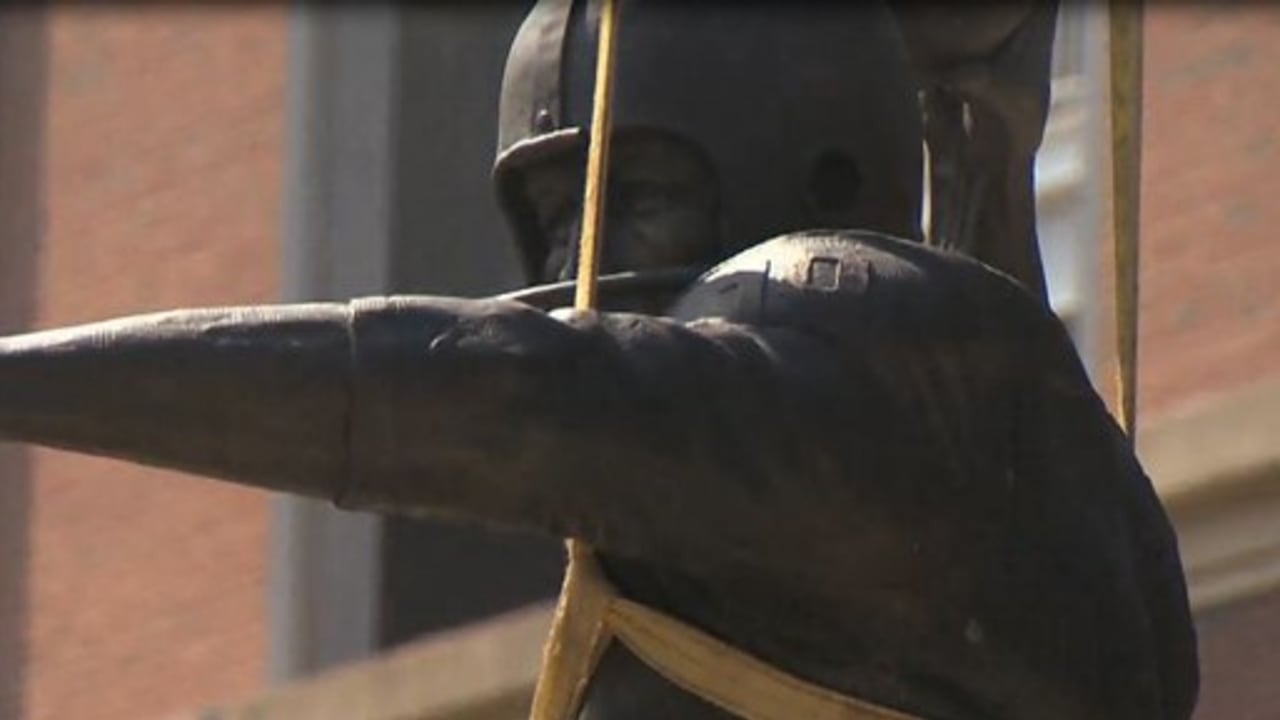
x=256 y=395
x=623 y=430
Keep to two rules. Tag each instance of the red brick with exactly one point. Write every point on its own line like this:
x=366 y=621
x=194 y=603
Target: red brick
x=160 y=170
x=1210 y=319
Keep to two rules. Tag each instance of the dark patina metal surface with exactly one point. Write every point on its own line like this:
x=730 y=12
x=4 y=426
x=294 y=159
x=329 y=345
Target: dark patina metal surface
x=879 y=466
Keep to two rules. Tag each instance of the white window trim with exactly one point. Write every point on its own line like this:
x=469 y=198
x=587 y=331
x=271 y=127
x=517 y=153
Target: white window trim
x=1071 y=177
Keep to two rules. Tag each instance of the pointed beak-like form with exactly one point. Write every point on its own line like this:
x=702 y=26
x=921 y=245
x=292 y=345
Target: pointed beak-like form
x=256 y=395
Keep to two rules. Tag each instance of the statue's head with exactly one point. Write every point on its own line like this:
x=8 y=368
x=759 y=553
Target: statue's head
x=731 y=125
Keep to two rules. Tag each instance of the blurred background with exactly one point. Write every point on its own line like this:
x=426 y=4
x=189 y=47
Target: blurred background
x=154 y=156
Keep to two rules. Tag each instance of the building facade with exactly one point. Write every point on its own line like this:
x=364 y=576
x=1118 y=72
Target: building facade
x=140 y=168
x=153 y=157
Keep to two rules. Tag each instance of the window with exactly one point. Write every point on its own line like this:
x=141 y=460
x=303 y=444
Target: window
x=1069 y=172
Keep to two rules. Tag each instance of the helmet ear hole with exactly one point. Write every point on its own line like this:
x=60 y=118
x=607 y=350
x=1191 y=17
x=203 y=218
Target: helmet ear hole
x=835 y=182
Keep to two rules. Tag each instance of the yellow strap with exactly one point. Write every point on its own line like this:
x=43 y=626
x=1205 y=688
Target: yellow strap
x=591 y=614
x=1126 y=166
x=578 y=638
x=727 y=677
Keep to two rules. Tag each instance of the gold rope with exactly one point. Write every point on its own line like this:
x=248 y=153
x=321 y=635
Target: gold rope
x=593 y=201
x=578 y=633
x=1126 y=168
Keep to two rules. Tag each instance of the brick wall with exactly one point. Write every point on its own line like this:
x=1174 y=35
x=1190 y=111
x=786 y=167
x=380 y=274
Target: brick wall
x=22 y=80
x=1210 y=308
x=157 y=152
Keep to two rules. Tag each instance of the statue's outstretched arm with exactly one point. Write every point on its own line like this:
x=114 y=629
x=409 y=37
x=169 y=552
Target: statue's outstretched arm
x=646 y=436
x=633 y=432
x=924 y=464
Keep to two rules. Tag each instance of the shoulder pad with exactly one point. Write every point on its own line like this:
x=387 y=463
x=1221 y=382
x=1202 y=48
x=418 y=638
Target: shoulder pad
x=823 y=278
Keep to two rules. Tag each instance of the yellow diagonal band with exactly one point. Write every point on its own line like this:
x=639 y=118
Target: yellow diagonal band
x=591 y=614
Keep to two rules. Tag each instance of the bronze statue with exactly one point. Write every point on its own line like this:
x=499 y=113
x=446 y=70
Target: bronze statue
x=875 y=464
